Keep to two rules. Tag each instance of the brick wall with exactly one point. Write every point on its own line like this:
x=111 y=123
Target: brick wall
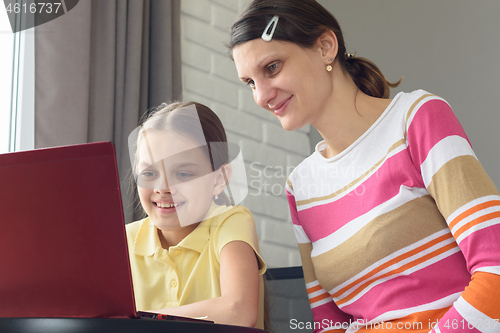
x=270 y=153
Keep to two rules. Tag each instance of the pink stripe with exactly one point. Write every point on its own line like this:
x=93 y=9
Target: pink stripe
x=481 y=248
x=443 y=278
x=331 y=313
x=455 y=323
x=322 y=220
x=432 y=122
x=293 y=208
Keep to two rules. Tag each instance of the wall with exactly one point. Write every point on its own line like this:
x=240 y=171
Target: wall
x=210 y=77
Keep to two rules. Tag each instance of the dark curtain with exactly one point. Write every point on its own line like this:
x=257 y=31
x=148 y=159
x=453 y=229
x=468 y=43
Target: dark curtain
x=98 y=68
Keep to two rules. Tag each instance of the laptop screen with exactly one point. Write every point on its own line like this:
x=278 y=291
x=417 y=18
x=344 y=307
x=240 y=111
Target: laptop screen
x=62 y=234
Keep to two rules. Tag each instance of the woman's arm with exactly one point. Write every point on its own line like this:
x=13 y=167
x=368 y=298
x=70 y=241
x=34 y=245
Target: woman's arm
x=239 y=300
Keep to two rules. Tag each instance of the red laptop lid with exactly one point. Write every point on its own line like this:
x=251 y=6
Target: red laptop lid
x=62 y=234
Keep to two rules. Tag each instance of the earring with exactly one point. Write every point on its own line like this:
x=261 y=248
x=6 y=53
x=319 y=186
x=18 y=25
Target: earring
x=216 y=197
x=329 y=66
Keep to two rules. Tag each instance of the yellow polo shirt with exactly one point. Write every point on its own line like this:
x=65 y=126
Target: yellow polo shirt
x=190 y=271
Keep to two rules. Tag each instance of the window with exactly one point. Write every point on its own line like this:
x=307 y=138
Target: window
x=17 y=87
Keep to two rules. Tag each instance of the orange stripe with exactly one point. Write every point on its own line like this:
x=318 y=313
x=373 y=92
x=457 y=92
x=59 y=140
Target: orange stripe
x=313 y=289
x=399 y=270
x=392 y=262
x=319 y=298
x=483 y=293
x=477 y=221
x=472 y=210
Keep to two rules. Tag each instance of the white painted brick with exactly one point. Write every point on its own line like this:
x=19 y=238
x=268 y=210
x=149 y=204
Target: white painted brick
x=259 y=152
x=190 y=96
x=242 y=5
x=204 y=34
x=278 y=232
x=224 y=67
x=223 y=18
x=209 y=86
x=294 y=258
x=305 y=129
x=196 y=8
x=274 y=255
x=239 y=122
x=231 y=4
x=293 y=141
x=274 y=207
x=196 y=56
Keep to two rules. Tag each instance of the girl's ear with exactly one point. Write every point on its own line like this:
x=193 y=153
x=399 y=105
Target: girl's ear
x=222 y=180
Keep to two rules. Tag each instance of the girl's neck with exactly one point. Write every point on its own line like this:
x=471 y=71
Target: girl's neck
x=348 y=115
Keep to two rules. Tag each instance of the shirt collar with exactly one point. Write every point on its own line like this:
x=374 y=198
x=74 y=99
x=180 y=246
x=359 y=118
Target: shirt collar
x=147 y=240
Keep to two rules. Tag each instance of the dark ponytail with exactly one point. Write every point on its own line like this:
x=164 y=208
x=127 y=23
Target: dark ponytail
x=302 y=22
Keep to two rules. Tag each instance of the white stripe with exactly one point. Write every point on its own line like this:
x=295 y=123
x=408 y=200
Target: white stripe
x=391 y=257
x=319 y=303
x=310 y=190
x=481 y=322
x=417 y=107
x=398 y=265
x=443 y=152
x=474 y=216
x=435 y=305
x=405 y=273
x=471 y=204
x=317 y=293
x=437 y=330
x=300 y=234
x=489 y=269
x=477 y=227
x=348 y=230
x=312 y=284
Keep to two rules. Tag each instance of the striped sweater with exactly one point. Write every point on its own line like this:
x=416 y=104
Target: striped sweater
x=402 y=229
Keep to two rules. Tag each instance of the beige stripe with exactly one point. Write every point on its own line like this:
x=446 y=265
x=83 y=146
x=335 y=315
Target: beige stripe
x=381 y=237
x=351 y=184
x=458 y=182
x=411 y=109
x=289 y=183
x=305 y=254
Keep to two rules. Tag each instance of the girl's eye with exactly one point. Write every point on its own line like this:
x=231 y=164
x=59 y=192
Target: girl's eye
x=184 y=175
x=148 y=174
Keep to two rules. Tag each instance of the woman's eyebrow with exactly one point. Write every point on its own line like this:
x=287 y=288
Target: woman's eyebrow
x=261 y=62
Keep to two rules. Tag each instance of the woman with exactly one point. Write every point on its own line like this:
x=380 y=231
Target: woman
x=396 y=220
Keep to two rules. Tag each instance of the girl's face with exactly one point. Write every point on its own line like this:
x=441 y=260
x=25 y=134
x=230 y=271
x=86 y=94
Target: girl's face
x=175 y=181
x=289 y=81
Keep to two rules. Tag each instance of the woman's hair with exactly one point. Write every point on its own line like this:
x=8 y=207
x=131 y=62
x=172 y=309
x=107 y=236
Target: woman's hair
x=171 y=118
x=302 y=22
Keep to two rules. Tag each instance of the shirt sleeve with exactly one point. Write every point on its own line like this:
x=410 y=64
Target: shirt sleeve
x=470 y=203
x=327 y=316
x=237 y=224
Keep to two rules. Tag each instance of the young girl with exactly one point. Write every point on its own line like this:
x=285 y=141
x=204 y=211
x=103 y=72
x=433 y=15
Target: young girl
x=398 y=225
x=194 y=254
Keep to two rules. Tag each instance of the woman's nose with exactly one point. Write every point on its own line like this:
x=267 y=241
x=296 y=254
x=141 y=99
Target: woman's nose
x=263 y=94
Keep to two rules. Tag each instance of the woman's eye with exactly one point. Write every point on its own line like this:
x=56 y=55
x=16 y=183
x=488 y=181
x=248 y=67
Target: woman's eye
x=271 y=68
x=251 y=83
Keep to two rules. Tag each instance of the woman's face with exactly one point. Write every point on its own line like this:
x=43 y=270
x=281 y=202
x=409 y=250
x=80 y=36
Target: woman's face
x=289 y=81
x=175 y=180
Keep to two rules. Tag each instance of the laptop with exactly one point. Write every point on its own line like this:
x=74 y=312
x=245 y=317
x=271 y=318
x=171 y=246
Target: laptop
x=62 y=235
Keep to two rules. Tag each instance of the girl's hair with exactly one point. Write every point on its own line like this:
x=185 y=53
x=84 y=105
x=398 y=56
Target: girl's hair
x=302 y=22
x=171 y=118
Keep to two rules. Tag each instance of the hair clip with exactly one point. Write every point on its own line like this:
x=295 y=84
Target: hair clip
x=268 y=36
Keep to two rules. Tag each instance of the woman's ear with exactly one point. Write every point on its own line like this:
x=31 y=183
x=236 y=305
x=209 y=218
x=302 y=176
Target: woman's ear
x=222 y=180
x=328 y=45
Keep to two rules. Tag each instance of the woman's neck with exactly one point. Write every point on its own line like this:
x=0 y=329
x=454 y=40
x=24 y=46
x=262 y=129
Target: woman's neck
x=348 y=115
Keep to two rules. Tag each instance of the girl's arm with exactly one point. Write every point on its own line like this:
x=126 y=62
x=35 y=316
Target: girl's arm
x=239 y=300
